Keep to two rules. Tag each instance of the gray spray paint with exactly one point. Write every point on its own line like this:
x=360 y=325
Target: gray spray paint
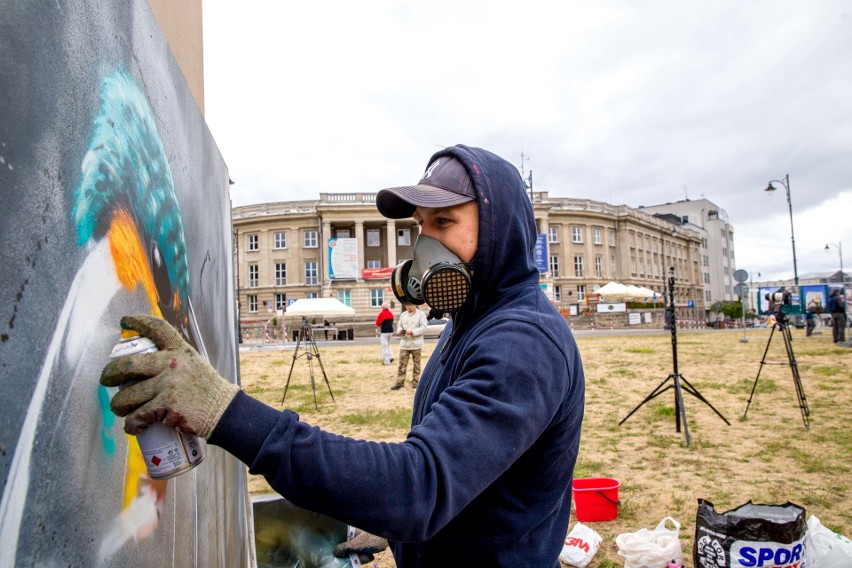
x=63 y=456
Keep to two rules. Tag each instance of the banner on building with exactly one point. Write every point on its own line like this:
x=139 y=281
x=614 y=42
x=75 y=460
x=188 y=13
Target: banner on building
x=383 y=273
x=343 y=258
x=541 y=253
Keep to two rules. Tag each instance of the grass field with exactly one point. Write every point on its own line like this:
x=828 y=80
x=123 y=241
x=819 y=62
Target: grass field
x=770 y=457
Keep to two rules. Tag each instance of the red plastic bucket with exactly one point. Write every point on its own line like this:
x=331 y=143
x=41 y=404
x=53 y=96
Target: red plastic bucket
x=596 y=499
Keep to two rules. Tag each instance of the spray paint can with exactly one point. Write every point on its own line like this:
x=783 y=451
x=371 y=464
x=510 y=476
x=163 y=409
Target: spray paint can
x=167 y=452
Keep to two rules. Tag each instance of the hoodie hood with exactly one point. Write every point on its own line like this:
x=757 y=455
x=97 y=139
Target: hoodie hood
x=504 y=258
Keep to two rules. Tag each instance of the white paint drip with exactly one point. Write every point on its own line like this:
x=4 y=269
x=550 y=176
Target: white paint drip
x=79 y=301
x=137 y=521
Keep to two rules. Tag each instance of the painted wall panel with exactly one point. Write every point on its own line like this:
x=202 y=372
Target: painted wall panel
x=113 y=200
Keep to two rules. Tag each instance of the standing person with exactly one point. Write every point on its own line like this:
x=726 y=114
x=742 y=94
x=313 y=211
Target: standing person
x=411 y=327
x=810 y=322
x=484 y=476
x=326 y=325
x=836 y=305
x=384 y=329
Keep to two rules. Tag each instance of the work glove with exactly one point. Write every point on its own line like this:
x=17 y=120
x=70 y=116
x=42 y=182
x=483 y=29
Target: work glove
x=175 y=384
x=364 y=544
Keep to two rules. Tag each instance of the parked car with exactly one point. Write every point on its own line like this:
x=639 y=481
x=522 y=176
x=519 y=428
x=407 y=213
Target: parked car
x=435 y=327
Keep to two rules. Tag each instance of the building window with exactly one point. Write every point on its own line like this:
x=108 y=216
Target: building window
x=377 y=296
x=630 y=239
x=310 y=272
x=611 y=237
x=345 y=297
x=374 y=264
x=279 y=240
x=598 y=267
x=597 y=236
x=641 y=267
x=553 y=234
x=310 y=295
x=310 y=238
x=632 y=265
x=707 y=297
x=253 y=242
x=557 y=293
x=579 y=270
x=581 y=293
x=252 y=271
x=707 y=278
x=576 y=234
x=403 y=237
x=280 y=273
x=612 y=267
x=342 y=233
x=373 y=238
x=252 y=303
x=554 y=266
x=280 y=301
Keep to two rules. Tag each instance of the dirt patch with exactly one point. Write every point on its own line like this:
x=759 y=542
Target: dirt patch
x=770 y=457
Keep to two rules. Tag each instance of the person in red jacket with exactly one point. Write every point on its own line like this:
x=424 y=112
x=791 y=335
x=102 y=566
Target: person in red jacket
x=384 y=329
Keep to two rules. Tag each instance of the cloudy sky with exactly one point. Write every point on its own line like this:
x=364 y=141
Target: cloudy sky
x=635 y=103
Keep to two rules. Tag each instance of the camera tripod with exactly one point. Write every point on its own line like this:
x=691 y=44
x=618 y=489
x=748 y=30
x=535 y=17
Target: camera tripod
x=310 y=351
x=678 y=381
x=781 y=324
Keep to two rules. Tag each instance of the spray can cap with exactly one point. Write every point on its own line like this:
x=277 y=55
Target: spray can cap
x=127 y=333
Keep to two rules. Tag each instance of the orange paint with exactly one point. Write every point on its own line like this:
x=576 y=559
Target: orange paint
x=133 y=268
x=129 y=257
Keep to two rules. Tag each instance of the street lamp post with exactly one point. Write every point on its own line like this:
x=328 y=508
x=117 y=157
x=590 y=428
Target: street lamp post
x=770 y=188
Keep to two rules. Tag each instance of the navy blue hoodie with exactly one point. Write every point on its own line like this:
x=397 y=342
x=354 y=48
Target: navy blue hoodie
x=484 y=476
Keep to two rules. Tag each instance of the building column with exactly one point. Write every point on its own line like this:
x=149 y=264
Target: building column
x=325 y=234
x=359 y=238
x=391 y=233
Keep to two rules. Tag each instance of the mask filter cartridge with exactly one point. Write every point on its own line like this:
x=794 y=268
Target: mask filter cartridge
x=435 y=276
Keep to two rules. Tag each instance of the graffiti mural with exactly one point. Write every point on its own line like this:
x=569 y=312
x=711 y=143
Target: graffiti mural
x=114 y=201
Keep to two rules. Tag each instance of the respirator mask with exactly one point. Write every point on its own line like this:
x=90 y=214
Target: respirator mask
x=435 y=276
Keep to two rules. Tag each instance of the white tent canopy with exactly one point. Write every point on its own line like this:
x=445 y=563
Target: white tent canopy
x=326 y=307
x=613 y=289
x=616 y=289
x=647 y=292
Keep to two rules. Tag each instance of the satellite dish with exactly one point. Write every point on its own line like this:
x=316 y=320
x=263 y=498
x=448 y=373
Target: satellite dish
x=740 y=275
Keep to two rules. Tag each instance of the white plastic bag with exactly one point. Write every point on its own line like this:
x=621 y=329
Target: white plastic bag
x=827 y=549
x=650 y=549
x=581 y=544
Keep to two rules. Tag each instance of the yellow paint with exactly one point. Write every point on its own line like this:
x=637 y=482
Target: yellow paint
x=133 y=269
x=131 y=263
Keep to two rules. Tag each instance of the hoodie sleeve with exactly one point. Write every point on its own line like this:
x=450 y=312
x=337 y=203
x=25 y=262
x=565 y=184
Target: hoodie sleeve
x=493 y=413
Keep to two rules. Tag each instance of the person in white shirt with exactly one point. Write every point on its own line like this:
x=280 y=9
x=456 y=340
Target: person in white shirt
x=411 y=327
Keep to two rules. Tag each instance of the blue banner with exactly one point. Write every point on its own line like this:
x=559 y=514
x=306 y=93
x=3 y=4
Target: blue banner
x=541 y=253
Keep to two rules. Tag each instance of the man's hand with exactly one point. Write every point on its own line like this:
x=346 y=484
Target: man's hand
x=362 y=544
x=176 y=385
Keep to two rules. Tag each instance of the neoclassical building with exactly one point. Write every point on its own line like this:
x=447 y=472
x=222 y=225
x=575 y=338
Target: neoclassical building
x=339 y=246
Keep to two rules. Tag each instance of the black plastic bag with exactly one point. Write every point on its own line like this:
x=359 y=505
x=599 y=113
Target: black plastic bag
x=750 y=536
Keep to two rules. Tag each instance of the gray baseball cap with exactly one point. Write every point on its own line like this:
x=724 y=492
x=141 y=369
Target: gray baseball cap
x=444 y=183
